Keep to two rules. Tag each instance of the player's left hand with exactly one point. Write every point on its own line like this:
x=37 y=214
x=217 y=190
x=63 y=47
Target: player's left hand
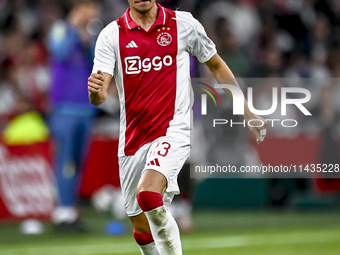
x=258 y=126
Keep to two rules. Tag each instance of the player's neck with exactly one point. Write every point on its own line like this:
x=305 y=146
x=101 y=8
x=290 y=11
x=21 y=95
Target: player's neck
x=145 y=20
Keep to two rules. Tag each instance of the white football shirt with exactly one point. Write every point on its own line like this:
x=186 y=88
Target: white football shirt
x=152 y=73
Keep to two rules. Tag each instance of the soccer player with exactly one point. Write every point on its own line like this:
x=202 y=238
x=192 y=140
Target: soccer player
x=147 y=51
x=71 y=49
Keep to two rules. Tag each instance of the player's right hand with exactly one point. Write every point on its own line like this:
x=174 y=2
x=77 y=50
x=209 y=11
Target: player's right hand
x=95 y=82
x=259 y=128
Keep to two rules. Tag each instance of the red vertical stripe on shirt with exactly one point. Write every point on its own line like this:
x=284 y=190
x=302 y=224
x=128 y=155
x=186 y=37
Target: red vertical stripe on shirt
x=150 y=93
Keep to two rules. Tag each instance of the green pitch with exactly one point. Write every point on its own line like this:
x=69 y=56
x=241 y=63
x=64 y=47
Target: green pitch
x=223 y=232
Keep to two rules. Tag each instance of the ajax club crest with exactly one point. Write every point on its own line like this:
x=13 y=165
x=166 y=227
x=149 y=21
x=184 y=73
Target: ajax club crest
x=164 y=39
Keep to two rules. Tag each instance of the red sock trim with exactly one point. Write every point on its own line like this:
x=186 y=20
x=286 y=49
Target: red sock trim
x=143 y=238
x=149 y=200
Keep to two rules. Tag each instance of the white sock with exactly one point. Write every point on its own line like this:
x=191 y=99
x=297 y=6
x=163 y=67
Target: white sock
x=149 y=249
x=165 y=231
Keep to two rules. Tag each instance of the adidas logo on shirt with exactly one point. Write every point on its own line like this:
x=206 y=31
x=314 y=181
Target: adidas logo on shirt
x=132 y=44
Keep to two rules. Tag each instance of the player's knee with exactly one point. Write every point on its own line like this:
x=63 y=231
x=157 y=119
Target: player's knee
x=149 y=200
x=143 y=238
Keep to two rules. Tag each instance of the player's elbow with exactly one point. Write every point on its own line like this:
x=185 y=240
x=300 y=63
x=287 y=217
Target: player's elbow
x=215 y=69
x=215 y=63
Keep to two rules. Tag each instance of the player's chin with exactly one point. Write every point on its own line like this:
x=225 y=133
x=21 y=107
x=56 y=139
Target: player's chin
x=143 y=5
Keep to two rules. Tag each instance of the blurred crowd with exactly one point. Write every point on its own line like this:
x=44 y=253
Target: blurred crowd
x=279 y=41
x=257 y=38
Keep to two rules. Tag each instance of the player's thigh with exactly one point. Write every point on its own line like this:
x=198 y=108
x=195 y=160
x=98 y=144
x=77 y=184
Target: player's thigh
x=152 y=180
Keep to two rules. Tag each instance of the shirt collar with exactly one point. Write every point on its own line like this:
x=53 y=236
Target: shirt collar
x=161 y=19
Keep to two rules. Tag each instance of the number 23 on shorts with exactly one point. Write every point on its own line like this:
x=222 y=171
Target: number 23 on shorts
x=161 y=149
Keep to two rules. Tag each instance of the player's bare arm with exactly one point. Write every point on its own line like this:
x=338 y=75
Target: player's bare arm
x=98 y=84
x=221 y=72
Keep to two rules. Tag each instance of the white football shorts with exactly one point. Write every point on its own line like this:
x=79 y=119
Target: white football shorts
x=166 y=155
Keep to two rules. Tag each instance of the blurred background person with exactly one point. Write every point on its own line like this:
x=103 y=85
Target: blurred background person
x=71 y=45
